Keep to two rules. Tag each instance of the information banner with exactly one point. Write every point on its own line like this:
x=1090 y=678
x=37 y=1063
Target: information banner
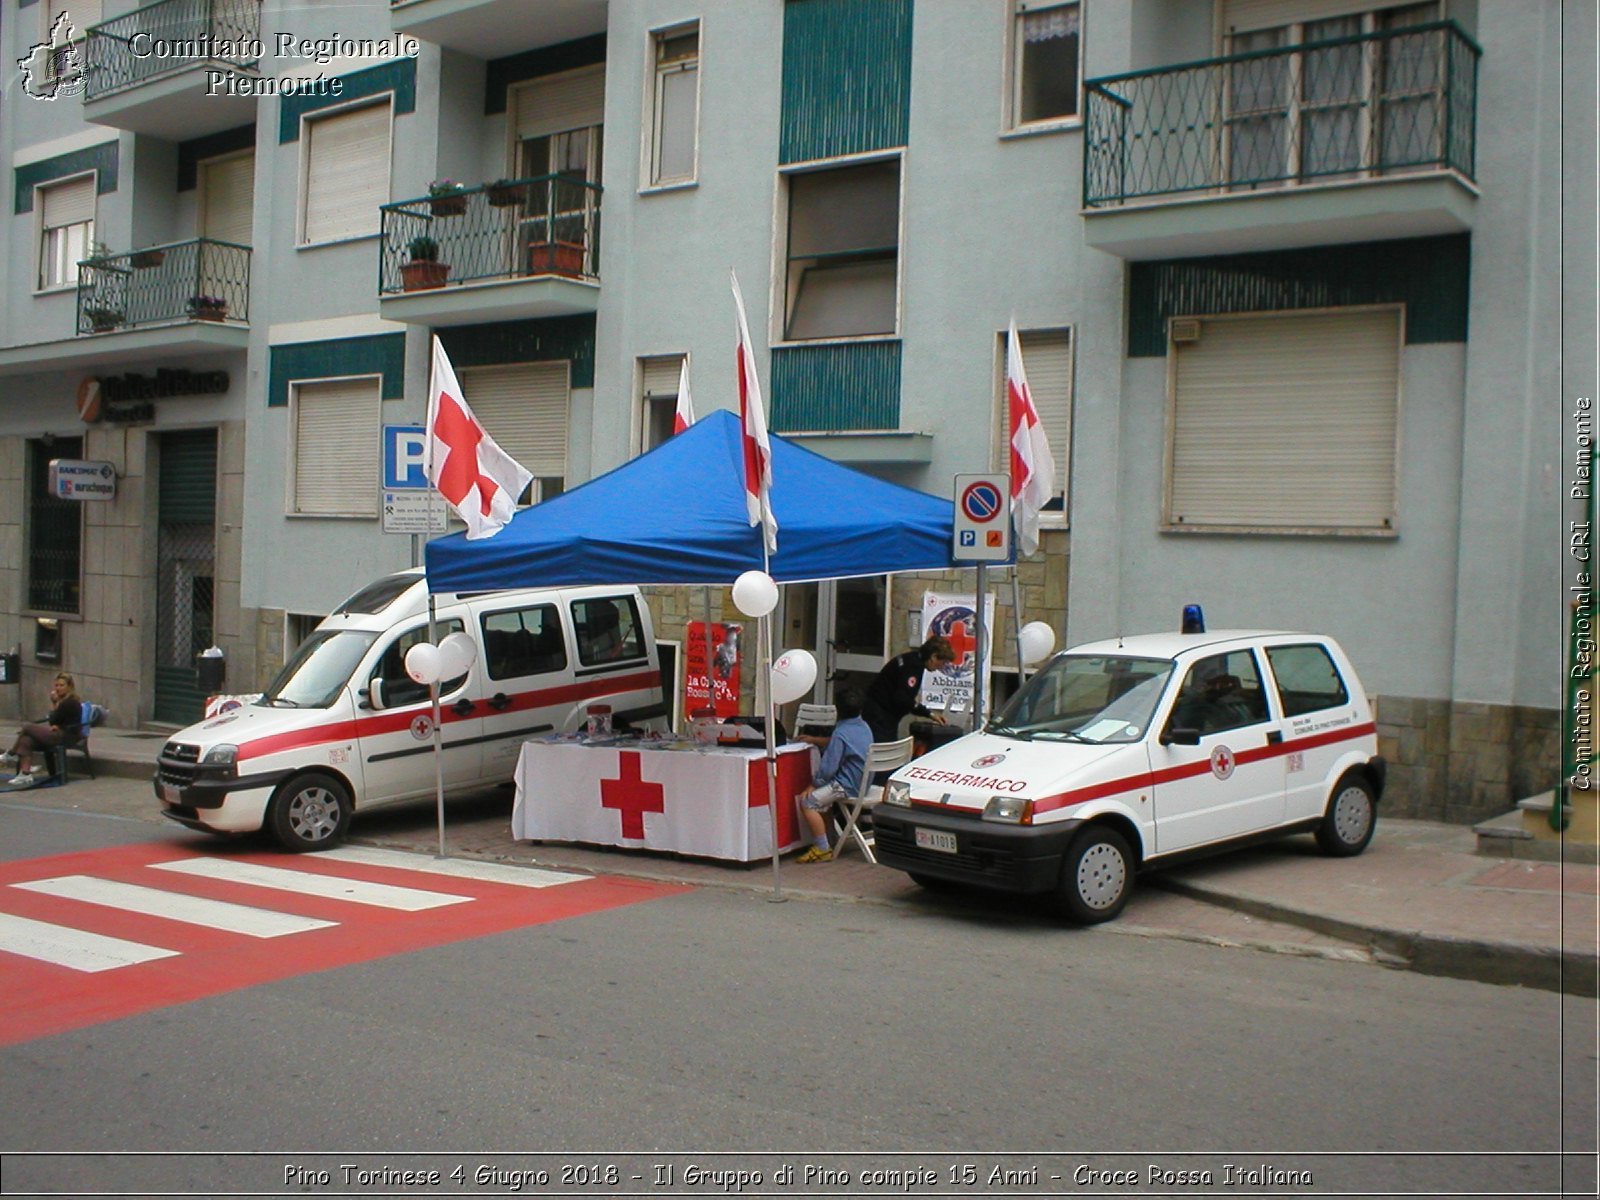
x=955 y=619
x=723 y=659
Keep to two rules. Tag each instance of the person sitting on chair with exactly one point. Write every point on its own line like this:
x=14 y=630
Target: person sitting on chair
x=838 y=777
x=61 y=727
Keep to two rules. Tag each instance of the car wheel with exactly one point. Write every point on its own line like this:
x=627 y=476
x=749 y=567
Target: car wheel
x=1096 y=876
x=1351 y=817
x=310 y=812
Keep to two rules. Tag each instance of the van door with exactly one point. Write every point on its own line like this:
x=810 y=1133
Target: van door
x=1232 y=782
x=396 y=741
x=526 y=670
x=615 y=665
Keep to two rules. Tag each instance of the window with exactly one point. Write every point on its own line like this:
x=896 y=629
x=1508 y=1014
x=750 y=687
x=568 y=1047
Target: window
x=1220 y=692
x=346 y=173
x=658 y=402
x=1047 y=359
x=1307 y=679
x=523 y=407
x=674 y=106
x=66 y=219
x=844 y=252
x=398 y=687
x=608 y=630
x=1284 y=423
x=55 y=532
x=66 y=56
x=524 y=641
x=333 y=450
x=1045 y=49
x=556 y=123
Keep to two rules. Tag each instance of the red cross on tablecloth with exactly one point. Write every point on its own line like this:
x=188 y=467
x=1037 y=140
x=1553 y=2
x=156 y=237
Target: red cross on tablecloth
x=631 y=795
x=960 y=641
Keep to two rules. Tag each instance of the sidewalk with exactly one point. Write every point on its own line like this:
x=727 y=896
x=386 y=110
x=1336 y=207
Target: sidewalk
x=1420 y=898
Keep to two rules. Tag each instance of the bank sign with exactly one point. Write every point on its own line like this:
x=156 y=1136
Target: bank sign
x=80 y=479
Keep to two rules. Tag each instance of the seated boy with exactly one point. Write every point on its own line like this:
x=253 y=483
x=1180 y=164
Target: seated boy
x=838 y=778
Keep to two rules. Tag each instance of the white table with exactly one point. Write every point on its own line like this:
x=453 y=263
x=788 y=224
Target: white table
x=709 y=801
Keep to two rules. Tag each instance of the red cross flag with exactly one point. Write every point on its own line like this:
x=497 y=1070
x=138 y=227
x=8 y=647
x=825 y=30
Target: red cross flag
x=1033 y=471
x=684 y=417
x=478 y=479
x=757 y=449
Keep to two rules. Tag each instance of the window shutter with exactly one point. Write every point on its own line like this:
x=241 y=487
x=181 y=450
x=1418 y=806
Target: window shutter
x=336 y=435
x=524 y=408
x=81 y=15
x=661 y=375
x=230 y=199
x=1287 y=421
x=557 y=103
x=1241 y=16
x=347 y=173
x=1047 y=357
x=67 y=203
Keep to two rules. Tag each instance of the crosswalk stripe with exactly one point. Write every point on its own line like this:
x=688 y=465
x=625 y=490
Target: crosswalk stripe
x=175 y=906
x=461 y=868
x=73 y=948
x=305 y=883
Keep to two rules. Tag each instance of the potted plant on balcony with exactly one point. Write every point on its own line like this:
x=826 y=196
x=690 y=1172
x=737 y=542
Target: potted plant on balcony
x=102 y=317
x=506 y=193
x=424 y=270
x=447 y=198
x=148 y=257
x=555 y=258
x=207 y=308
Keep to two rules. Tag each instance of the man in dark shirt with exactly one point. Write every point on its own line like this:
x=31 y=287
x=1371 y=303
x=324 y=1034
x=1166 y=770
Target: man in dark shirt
x=892 y=696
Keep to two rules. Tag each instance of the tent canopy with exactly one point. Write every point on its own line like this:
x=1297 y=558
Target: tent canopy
x=677 y=516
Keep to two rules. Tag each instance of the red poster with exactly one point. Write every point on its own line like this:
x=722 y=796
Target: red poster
x=724 y=672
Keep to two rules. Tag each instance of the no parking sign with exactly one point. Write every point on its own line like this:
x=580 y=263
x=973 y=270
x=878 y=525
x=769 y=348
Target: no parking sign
x=982 y=519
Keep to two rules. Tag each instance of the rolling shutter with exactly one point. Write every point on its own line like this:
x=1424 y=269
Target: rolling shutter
x=347 y=173
x=524 y=408
x=229 y=188
x=1242 y=16
x=557 y=103
x=1047 y=358
x=69 y=203
x=1287 y=421
x=661 y=375
x=336 y=436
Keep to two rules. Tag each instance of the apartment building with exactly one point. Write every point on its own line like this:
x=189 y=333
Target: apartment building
x=1286 y=274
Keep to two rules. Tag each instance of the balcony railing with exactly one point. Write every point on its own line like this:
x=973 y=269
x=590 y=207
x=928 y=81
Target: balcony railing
x=549 y=225
x=199 y=280
x=1397 y=102
x=166 y=37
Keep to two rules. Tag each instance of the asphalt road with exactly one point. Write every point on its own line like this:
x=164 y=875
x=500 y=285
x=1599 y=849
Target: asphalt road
x=717 y=1031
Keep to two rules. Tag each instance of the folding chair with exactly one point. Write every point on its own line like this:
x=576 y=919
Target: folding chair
x=56 y=756
x=815 y=718
x=882 y=756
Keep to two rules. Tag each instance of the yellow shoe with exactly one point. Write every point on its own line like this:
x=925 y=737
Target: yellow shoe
x=815 y=854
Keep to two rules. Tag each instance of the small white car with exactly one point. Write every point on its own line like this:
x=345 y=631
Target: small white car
x=1133 y=753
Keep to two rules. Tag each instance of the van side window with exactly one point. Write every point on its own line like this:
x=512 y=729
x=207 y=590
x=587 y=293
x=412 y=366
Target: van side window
x=608 y=630
x=524 y=641
x=1307 y=679
x=1220 y=692
x=398 y=687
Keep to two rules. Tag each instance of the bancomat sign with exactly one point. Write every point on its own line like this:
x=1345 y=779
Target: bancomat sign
x=82 y=479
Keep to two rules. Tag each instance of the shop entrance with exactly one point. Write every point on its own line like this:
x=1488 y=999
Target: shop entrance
x=845 y=623
x=185 y=570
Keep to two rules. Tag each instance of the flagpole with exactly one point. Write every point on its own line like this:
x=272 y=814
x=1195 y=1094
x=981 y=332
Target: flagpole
x=977 y=655
x=438 y=733
x=1016 y=622
x=772 y=748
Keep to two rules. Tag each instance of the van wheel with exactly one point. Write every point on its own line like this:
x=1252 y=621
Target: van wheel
x=310 y=812
x=1096 y=876
x=1352 y=815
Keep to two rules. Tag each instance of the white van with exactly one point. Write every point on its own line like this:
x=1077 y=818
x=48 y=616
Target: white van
x=1136 y=752
x=343 y=727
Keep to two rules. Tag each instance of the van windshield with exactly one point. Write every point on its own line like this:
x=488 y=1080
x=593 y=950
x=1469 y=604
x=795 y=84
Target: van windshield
x=319 y=670
x=1087 y=698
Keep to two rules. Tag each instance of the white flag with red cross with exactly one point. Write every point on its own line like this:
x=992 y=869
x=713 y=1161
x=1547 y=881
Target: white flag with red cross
x=477 y=478
x=1033 y=471
x=753 y=420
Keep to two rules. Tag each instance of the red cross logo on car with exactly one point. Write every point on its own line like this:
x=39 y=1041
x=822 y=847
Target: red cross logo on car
x=1222 y=762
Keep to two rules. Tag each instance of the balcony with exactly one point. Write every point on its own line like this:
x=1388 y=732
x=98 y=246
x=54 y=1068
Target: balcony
x=512 y=249
x=496 y=28
x=1352 y=139
x=152 y=70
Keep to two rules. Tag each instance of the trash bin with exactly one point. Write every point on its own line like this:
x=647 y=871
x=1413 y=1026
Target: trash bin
x=930 y=735
x=212 y=668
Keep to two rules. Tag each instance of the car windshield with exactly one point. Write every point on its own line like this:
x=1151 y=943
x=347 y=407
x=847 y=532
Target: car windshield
x=318 y=670
x=1087 y=698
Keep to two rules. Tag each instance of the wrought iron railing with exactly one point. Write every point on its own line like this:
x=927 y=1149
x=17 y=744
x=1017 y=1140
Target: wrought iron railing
x=1400 y=101
x=511 y=229
x=168 y=36
x=199 y=280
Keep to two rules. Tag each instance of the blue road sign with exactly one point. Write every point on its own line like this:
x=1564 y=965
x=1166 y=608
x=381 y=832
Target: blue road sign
x=404 y=461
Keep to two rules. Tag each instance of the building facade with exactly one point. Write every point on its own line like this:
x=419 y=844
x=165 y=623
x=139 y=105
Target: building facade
x=1287 y=274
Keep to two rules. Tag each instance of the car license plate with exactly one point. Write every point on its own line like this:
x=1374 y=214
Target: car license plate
x=933 y=839
x=169 y=794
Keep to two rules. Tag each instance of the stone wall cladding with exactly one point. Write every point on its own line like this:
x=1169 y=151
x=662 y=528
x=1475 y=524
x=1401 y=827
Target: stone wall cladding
x=1463 y=762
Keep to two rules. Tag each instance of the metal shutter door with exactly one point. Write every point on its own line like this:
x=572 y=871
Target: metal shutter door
x=1287 y=422
x=347 y=173
x=229 y=185
x=557 y=103
x=524 y=408
x=67 y=203
x=336 y=435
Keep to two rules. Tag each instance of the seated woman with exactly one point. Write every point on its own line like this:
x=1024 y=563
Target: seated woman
x=63 y=726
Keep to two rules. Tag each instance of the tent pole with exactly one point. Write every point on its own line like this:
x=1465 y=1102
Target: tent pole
x=438 y=734
x=711 y=682
x=764 y=684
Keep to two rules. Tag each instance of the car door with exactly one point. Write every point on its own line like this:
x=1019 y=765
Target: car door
x=526 y=671
x=396 y=741
x=1217 y=767
x=1317 y=707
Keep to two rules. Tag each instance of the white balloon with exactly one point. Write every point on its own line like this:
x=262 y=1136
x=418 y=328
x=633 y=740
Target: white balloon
x=754 y=594
x=1038 y=639
x=422 y=662
x=456 y=654
x=792 y=675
